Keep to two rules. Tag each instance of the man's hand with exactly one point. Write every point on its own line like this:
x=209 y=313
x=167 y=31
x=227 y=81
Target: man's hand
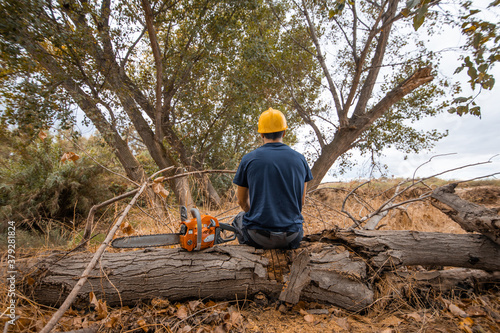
x=243 y=198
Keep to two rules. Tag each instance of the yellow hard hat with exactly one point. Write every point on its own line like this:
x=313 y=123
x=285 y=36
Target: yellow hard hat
x=271 y=121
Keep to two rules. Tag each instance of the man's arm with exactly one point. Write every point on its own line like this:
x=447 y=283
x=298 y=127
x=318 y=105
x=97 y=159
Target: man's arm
x=304 y=194
x=243 y=198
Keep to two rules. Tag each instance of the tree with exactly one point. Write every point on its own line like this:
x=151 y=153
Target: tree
x=174 y=69
x=357 y=111
x=191 y=75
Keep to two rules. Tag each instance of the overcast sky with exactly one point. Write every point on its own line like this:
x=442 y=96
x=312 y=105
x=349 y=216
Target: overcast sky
x=471 y=139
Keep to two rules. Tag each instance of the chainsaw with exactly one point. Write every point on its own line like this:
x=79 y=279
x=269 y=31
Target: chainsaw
x=201 y=232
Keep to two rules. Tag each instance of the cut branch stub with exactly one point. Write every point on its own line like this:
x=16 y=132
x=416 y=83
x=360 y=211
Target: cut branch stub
x=470 y=216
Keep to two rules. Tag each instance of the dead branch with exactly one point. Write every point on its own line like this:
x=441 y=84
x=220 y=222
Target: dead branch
x=376 y=216
x=471 y=217
x=71 y=297
x=428 y=161
x=358 y=223
x=90 y=219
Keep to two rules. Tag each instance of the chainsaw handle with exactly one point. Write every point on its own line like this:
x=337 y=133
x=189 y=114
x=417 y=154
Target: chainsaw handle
x=196 y=213
x=184 y=213
x=223 y=226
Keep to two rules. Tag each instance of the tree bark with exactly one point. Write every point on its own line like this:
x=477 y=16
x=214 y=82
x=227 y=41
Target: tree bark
x=445 y=280
x=471 y=217
x=316 y=271
x=222 y=272
x=406 y=248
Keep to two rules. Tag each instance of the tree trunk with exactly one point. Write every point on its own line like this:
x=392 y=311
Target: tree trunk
x=471 y=217
x=222 y=272
x=406 y=248
x=317 y=271
x=346 y=136
x=444 y=280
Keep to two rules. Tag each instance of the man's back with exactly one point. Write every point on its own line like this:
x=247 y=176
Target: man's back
x=275 y=175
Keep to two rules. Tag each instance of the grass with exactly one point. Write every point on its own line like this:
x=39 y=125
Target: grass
x=387 y=183
x=321 y=211
x=27 y=240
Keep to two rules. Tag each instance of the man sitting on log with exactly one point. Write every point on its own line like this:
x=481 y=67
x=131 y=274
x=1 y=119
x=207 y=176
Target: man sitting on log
x=272 y=182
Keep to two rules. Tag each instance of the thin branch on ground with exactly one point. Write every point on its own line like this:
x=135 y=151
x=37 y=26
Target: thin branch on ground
x=72 y=295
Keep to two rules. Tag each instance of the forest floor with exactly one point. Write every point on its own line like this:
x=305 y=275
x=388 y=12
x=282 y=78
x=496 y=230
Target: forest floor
x=468 y=309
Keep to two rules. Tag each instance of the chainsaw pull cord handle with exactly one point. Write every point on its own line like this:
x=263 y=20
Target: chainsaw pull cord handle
x=196 y=214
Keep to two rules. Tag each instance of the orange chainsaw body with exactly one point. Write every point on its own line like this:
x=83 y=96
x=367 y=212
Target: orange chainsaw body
x=190 y=233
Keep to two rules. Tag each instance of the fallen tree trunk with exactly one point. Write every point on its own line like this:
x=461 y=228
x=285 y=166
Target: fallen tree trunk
x=317 y=271
x=445 y=280
x=223 y=272
x=471 y=217
x=405 y=248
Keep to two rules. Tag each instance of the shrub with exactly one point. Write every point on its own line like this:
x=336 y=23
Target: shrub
x=35 y=186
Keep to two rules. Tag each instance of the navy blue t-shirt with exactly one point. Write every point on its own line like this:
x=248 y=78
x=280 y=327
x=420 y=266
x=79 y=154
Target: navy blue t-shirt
x=274 y=175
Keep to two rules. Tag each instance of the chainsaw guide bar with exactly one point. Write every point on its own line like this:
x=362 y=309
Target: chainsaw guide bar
x=146 y=241
x=201 y=232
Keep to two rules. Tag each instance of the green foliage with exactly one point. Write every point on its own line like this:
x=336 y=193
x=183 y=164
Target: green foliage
x=36 y=187
x=215 y=61
x=52 y=236
x=480 y=53
x=394 y=128
x=222 y=63
x=483 y=45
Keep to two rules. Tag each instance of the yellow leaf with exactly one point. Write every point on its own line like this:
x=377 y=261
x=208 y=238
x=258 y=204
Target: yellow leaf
x=415 y=316
x=391 y=321
x=100 y=307
x=127 y=229
x=193 y=305
x=42 y=135
x=102 y=310
x=182 y=312
x=210 y=304
x=142 y=324
x=468 y=321
x=69 y=156
x=466 y=325
x=159 y=189
x=111 y=322
x=235 y=318
x=92 y=298
x=30 y=281
x=160 y=303
x=457 y=311
x=159 y=180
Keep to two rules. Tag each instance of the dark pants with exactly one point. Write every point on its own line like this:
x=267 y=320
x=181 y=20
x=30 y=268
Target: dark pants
x=264 y=239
